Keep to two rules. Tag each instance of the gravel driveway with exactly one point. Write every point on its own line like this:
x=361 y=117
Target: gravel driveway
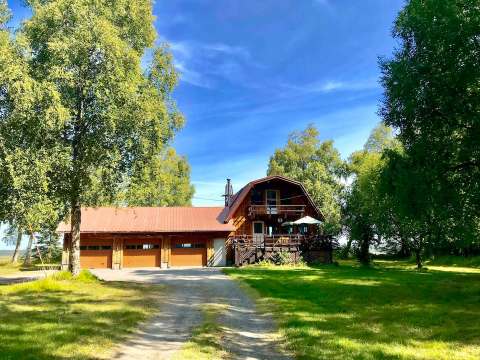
x=248 y=334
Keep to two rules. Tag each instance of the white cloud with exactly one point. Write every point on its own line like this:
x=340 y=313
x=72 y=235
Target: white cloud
x=203 y=64
x=329 y=86
x=191 y=76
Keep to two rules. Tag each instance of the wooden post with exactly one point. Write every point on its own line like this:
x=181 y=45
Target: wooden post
x=117 y=253
x=165 y=254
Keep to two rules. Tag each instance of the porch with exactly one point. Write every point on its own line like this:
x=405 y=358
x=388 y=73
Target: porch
x=250 y=249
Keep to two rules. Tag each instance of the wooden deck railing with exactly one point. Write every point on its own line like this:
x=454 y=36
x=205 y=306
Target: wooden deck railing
x=295 y=210
x=279 y=240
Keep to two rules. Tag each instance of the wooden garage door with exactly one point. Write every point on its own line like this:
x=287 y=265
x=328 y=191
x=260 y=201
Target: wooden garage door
x=95 y=255
x=189 y=253
x=141 y=253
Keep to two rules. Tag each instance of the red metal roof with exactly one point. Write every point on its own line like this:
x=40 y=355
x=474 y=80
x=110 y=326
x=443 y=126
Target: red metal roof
x=152 y=219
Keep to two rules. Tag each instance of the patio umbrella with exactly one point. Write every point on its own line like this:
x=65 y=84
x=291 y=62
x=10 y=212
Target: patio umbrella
x=307 y=220
x=288 y=223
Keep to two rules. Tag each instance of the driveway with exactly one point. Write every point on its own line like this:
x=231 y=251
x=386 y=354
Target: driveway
x=248 y=334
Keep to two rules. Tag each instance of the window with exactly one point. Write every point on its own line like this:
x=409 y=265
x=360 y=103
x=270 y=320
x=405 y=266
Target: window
x=256 y=197
x=272 y=197
x=199 y=245
x=258 y=227
x=96 y=247
x=183 y=245
x=142 y=246
x=150 y=246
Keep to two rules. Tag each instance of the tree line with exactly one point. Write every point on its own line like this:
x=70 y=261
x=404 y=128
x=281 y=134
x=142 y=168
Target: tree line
x=414 y=189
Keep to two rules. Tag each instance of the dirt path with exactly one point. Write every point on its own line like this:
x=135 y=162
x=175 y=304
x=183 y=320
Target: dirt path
x=247 y=334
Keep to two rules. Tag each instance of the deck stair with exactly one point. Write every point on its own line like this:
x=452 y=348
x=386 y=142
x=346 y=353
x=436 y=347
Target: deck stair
x=248 y=250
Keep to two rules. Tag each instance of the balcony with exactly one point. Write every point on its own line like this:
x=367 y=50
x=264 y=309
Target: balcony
x=283 y=210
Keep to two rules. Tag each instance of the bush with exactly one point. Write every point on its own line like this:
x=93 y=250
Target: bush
x=83 y=276
x=282 y=258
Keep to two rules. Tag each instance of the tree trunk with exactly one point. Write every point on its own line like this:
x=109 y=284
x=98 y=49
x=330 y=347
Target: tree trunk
x=418 y=258
x=404 y=249
x=364 y=255
x=75 y=221
x=16 y=253
x=28 y=254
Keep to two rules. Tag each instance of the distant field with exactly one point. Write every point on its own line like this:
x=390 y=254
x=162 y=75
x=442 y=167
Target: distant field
x=5 y=253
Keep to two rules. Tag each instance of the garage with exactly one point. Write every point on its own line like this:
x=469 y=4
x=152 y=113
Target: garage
x=189 y=253
x=96 y=254
x=141 y=253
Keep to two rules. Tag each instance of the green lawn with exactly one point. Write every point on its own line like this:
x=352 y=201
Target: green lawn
x=64 y=318
x=6 y=267
x=389 y=311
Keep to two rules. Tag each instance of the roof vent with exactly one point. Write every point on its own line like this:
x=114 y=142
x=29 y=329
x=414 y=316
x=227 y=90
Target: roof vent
x=228 y=193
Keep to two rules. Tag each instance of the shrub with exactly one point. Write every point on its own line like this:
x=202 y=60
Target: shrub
x=282 y=258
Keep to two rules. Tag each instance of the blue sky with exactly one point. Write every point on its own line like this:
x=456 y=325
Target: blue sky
x=254 y=71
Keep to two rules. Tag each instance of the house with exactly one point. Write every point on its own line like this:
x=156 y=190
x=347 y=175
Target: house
x=250 y=226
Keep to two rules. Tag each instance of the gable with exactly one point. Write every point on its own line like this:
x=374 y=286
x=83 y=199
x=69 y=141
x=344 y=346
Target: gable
x=262 y=185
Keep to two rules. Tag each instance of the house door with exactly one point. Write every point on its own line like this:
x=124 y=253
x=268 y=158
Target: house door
x=272 y=201
x=258 y=232
x=219 y=253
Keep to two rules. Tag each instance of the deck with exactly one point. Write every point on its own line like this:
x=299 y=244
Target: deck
x=252 y=249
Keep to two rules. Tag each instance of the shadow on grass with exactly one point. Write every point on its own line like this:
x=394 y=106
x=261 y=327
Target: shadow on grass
x=351 y=312
x=76 y=320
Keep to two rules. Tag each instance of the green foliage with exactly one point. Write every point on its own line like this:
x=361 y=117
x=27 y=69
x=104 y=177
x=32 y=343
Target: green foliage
x=282 y=257
x=432 y=96
x=379 y=312
x=79 y=114
x=5 y=13
x=319 y=167
x=48 y=243
x=163 y=181
x=364 y=210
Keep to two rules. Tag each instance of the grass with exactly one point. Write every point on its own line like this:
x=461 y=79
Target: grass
x=388 y=311
x=7 y=268
x=205 y=343
x=456 y=261
x=61 y=317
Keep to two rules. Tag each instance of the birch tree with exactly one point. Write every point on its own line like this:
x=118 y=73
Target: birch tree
x=97 y=109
